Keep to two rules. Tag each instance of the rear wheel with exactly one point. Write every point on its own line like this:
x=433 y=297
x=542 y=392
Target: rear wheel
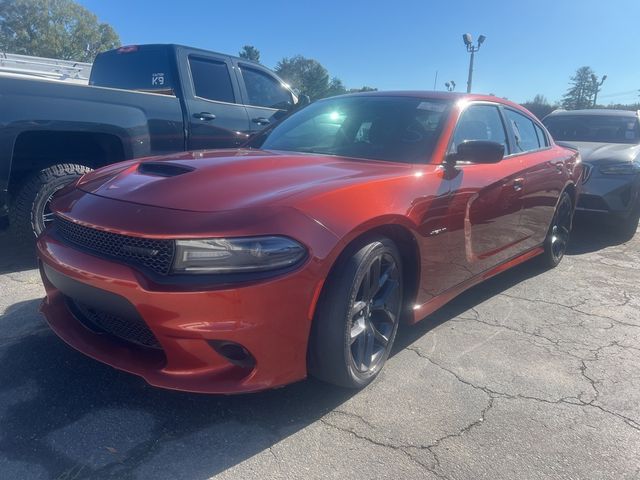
x=30 y=211
x=557 y=240
x=357 y=316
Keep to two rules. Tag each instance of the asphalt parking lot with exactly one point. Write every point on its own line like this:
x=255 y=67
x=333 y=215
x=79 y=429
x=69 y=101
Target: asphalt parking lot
x=532 y=375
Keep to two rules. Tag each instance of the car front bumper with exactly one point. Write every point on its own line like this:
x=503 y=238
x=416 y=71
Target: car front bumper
x=611 y=194
x=270 y=319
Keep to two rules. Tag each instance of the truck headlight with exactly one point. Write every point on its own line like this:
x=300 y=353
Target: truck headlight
x=627 y=168
x=236 y=255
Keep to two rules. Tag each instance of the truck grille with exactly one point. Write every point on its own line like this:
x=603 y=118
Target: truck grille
x=132 y=330
x=156 y=255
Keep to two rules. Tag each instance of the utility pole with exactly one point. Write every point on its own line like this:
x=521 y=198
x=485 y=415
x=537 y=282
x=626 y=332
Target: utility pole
x=472 y=49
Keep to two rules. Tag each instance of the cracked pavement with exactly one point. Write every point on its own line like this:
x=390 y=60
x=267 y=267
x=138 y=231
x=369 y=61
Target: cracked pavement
x=534 y=374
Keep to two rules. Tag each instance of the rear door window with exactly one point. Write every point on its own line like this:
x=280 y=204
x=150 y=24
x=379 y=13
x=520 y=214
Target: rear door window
x=211 y=80
x=542 y=138
x=524 y=131
x=145 y=69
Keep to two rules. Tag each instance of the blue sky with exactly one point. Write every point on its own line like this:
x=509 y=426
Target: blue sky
x=531 y=47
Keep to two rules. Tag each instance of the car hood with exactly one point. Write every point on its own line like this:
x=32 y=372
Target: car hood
x=594 y=152
x=220 y=180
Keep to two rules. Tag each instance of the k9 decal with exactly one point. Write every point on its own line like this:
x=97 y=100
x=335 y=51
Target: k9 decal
x=157 y=79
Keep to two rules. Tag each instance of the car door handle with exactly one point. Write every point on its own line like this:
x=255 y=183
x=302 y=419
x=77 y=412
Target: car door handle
x=204 y=116
x=261 y=121
x=518 y=184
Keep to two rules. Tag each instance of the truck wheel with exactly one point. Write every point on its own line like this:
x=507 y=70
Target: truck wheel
x=29 y=212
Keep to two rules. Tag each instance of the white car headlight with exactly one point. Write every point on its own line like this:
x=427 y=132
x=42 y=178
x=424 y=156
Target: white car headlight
x=236 y=255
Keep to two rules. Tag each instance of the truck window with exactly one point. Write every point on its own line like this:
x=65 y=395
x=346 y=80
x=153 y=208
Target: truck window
x=211 y=80
x=264 y=90
x=142 y=69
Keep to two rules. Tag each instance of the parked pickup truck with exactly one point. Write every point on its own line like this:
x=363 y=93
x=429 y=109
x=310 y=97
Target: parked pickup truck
x=141 y=100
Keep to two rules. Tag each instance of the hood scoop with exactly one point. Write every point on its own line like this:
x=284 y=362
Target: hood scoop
x=163 y=169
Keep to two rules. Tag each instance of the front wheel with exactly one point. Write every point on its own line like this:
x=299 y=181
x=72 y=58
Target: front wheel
x=555 y=245
x=357 y=316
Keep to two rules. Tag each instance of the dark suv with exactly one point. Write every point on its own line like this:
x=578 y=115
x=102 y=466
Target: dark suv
x=609 y=143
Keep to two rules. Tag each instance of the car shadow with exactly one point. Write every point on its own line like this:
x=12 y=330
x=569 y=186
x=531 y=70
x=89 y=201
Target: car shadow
x=76 y=418
x=14 y=255
x=592 y=233
x=408 y=334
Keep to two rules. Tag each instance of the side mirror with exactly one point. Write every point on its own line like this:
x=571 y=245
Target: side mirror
x=303 y=100
x=477 y=151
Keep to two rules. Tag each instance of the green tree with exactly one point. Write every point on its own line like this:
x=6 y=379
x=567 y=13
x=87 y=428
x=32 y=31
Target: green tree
x=581 y=90
x=250 y=53
x=336 y=87
x=364 y=88
x=306 y=75
x=310 y=78
x=539 y=106
x=53 y=28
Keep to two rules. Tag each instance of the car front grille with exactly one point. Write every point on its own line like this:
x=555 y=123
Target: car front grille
x=132 y=330
x=154 y=254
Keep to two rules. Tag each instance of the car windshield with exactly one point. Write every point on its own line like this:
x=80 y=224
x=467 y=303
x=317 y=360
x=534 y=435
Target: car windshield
x=396 y=129
x=594 y=128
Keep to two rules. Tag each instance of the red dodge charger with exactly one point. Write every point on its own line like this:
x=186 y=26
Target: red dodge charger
x=241 y=270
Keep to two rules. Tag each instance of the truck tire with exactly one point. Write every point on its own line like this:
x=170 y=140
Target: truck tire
x=30 y=205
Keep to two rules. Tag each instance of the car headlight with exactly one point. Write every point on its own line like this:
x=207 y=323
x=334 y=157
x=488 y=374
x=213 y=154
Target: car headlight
x=628 y=168
x=236 y=255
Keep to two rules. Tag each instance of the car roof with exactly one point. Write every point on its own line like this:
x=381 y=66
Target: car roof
x=426 y=94
x=595 y=111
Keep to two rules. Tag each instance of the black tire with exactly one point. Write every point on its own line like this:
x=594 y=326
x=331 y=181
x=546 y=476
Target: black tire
x=354 y=326
x=29 y=206
x=555 y=245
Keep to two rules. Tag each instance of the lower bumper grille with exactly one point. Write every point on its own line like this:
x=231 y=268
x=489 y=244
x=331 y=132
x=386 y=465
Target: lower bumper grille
x=132 y=330
x=592 y=202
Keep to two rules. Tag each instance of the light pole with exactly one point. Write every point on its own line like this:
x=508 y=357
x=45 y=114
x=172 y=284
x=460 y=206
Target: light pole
x=472 y=49
x=596 y=87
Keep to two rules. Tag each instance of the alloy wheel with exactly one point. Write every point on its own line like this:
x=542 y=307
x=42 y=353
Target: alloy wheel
x=561 y=229
x=374 y=314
